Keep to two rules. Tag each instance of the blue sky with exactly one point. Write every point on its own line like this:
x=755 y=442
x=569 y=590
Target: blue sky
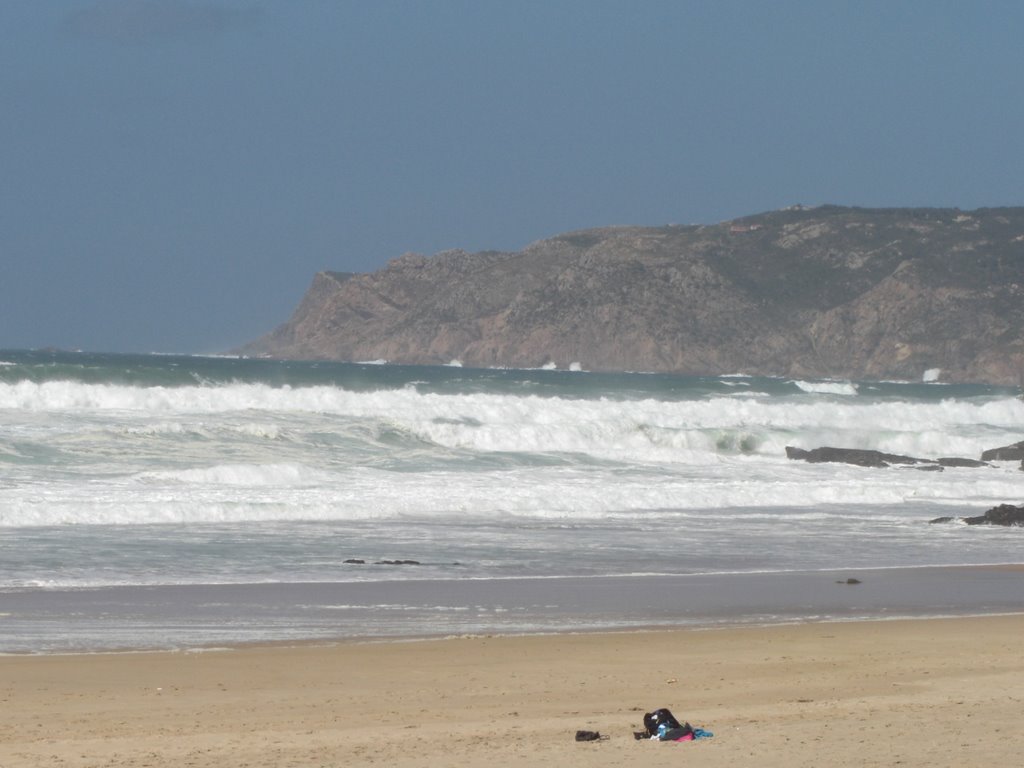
x=174 y=172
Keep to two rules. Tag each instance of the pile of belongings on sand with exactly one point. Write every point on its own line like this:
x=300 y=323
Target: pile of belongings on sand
x=661 y=725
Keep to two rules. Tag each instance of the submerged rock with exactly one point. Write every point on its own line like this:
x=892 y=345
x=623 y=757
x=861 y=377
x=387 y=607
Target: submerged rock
x=953 y=461
x=869 y=458
x=1013 y=452
x=860 y=457
x=1004 y=514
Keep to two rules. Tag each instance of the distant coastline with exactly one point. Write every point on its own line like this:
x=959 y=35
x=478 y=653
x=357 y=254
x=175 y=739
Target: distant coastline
x=909 y=294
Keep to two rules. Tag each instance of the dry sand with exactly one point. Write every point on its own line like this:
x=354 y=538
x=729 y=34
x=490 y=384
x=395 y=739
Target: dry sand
x=907 y=693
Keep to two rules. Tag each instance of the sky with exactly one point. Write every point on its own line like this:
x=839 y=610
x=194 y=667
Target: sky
x=173 y=173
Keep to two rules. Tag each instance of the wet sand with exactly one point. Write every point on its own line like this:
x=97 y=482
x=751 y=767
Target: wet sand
x=171 y=617
x=939 y=692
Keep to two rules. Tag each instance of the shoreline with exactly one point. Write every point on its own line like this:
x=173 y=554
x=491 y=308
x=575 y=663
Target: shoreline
x=917 y=692
x=345 y=641
x=126 y=618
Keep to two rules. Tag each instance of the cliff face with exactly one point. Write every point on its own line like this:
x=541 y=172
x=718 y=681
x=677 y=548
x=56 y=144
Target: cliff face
x=828 y=291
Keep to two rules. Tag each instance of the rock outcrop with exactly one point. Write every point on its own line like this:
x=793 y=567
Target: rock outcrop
x=869 y=458
x=827 y=292
x=1013 y=452
x=1004 y=514
x=862 y=458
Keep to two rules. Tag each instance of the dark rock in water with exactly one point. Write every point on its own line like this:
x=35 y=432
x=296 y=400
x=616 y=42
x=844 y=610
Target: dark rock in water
x=355 y=561
x=953 y=461
x=862 y=458
x=849 y=581
x=867 y=458
x=1013 y=452
x=398 y=562
x=1004 y=514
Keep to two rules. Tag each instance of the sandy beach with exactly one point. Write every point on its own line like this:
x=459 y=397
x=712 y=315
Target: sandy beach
x=941 y=692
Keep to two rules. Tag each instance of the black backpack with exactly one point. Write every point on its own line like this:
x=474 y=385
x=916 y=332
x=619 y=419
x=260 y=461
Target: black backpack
x=654 y=720
x=659 y=717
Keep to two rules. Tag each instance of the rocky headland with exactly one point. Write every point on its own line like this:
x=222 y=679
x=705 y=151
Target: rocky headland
x=829 y=291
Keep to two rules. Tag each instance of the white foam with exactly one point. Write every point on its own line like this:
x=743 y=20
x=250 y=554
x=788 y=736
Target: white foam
x=827 y=387
x=695 y=431
x=239 y=492
x=240 y=475
x=253 y=452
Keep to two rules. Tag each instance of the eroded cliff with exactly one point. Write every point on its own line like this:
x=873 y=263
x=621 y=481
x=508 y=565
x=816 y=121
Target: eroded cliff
x=827 y=291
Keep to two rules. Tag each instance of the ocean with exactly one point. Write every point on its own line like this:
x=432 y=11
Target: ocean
x=159 y=501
